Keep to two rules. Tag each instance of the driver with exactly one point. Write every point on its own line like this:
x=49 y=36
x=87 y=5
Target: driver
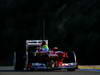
x=44 y=46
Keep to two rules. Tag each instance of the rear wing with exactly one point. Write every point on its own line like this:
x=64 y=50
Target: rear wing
x=35 y=42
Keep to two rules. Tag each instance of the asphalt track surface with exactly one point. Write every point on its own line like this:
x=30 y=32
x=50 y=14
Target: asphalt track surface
x=10 y=71
x=51 y=73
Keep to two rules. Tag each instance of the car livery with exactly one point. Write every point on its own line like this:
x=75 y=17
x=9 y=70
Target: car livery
x=49 y=60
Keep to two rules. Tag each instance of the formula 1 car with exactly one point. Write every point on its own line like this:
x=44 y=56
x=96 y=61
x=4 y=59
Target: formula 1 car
x=49 y=60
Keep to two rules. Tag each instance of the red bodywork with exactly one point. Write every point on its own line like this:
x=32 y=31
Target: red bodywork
x=59 y=56
x=52 y=57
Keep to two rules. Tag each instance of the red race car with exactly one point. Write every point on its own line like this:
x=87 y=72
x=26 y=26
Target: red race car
x=50 y=60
